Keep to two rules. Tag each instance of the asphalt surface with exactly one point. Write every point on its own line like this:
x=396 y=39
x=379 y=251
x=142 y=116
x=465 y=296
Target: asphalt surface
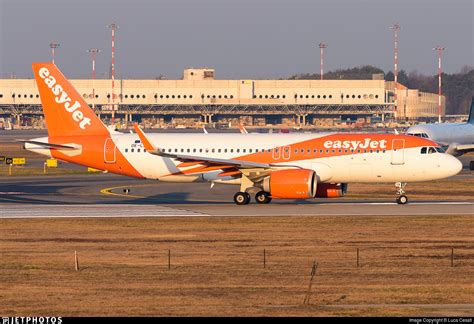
x=102 y=195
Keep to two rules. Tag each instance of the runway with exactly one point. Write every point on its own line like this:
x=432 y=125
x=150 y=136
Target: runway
x=102 y=196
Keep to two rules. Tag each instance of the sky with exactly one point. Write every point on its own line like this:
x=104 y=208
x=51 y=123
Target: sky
x=241 y=39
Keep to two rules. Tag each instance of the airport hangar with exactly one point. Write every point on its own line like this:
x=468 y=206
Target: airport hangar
x=201 y=99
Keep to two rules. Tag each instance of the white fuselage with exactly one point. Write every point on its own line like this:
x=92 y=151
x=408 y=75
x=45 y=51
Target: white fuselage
x=377 y=165
x=446 y=134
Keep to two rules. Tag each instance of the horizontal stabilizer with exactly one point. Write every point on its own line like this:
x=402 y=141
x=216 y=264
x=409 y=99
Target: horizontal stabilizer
x=51 y=145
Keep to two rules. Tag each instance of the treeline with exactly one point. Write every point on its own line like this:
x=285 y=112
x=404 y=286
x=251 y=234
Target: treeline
x=458 y=87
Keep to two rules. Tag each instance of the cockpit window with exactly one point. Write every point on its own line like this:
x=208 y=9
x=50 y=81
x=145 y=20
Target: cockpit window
x=422 y=135
x=431 y=150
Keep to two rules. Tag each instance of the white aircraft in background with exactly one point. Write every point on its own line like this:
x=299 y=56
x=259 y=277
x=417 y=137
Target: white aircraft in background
x=284 y=166
x=457 y=138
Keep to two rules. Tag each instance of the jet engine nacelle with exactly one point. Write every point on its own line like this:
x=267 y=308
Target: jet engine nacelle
x=331 y=190
x=291 y=184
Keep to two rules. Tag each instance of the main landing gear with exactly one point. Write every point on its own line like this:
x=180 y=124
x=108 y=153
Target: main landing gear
x=243 y=198
x=402 y=199
x=263 y=197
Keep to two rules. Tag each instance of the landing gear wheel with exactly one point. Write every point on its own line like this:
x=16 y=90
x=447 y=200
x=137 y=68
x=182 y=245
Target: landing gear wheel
x=263 y=197
x=402 y=200
x=241 y=198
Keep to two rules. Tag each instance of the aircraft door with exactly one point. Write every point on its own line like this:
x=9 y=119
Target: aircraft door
x=276 y=153
x=109 y=151
x=398 y=152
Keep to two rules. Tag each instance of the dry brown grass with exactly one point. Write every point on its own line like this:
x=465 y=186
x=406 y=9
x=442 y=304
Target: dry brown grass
x=217 y=266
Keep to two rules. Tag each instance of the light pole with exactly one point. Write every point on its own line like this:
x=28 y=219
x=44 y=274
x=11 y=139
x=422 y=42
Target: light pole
x=440 y=50
x=113 y=27
x=396 y=28
x=93 y=52
x=322 y=46
x=53 y=46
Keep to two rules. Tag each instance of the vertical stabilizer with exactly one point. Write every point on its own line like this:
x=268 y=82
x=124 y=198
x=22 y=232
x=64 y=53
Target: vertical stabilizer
x=65 y=110
x=470 y=120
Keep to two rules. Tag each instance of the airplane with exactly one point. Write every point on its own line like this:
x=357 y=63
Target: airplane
x=456 y=138
x=285 y=166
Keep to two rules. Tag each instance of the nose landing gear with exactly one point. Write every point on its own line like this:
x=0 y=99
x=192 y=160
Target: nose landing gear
x=402 y=199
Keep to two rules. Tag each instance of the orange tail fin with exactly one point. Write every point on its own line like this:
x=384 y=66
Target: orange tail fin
x=65 y=110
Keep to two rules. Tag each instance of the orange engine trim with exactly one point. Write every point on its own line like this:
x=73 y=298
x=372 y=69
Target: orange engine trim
x=291 y=184
x=329 y=190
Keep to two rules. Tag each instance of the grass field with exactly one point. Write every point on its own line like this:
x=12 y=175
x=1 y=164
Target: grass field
x=217 y=266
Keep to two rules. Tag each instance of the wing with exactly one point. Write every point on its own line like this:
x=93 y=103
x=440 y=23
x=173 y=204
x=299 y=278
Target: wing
x=465 y=148
x=229 y=167
x=459 y=149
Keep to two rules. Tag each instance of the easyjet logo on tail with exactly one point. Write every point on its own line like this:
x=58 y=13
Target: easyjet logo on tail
x=366 y=143
x=62 y=97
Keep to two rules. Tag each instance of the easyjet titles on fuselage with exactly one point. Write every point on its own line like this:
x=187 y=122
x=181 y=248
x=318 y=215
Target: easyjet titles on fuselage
x=354 y=145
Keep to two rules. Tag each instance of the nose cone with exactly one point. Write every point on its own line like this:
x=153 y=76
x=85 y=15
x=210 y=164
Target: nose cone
x=450 y=165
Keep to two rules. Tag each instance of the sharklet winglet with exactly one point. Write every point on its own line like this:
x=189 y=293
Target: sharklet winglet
x=146 y=142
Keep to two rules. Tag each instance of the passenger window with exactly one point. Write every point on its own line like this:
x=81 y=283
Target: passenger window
x=231 y=150
x=423 y=150
x=238 y=150
x=188 y=150
x=138 y=150
x=243 y=150
x=219 y=150
x=194 y=150
x=200 y=150
x=250 y=150
x=133 y=150
x=126 y=150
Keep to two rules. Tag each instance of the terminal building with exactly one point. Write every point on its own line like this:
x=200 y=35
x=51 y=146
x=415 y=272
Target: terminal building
x=200 y=98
